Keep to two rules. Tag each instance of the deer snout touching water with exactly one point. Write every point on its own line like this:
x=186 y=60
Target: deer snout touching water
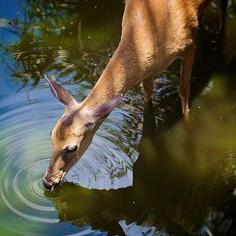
x=154 y=34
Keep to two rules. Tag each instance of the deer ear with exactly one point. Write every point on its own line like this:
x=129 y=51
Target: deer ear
x=61 y=94
x=104 y=110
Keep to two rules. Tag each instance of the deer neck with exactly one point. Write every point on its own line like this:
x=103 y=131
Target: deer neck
x=120 y=75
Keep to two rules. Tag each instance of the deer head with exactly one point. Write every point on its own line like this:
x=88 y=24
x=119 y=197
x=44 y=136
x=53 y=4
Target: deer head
x=73 y=132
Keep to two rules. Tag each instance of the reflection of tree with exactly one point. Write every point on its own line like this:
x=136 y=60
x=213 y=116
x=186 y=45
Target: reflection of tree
x=72 y=39
x=60 y=37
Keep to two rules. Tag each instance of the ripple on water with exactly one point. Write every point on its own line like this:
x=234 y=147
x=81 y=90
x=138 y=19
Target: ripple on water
x=25 y=121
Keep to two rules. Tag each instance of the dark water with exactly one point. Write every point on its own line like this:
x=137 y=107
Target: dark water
x=147 y=172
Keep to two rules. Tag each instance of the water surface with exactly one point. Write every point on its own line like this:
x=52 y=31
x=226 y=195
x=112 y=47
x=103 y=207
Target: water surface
x=147 y=171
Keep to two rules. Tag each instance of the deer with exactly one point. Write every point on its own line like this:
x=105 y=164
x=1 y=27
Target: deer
x=154 y=34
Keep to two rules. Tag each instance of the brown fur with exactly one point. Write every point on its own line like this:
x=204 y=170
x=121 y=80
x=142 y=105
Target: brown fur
x=154 y=34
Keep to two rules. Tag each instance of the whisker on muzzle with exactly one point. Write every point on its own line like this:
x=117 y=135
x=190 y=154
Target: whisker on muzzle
x=50 y=181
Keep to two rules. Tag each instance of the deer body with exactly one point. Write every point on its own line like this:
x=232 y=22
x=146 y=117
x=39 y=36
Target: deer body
x=154 y=34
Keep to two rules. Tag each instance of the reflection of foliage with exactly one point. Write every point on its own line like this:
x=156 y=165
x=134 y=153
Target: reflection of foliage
x=75 y=39
x=61 y=37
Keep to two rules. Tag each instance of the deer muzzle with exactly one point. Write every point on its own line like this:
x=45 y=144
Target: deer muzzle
x=50 y=181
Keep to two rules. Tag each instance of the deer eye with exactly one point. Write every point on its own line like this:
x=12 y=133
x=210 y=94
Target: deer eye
x=71 y=148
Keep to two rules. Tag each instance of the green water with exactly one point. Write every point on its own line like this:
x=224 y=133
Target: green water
x=147 y=171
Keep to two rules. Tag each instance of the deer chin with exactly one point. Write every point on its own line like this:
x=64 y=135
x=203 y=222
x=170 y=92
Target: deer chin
x=50 y=181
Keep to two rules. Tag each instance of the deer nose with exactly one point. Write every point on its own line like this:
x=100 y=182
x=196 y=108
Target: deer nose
x=48 y=184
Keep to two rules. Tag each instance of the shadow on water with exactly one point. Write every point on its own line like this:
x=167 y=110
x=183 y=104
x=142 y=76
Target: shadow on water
x=167 y=193
x=183 y=179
